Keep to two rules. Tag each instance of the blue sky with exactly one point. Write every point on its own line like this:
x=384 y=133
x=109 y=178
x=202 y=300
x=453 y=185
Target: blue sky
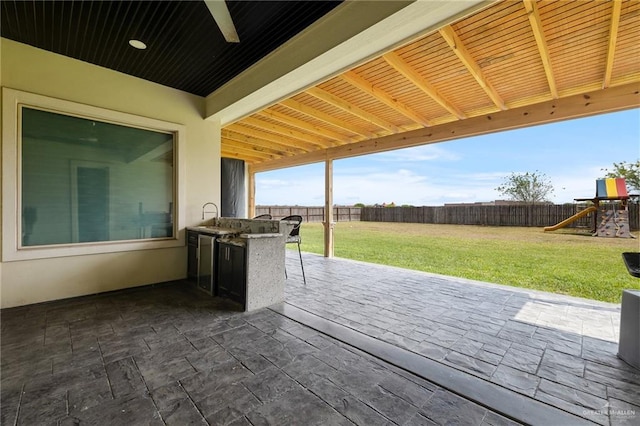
x=571 y=154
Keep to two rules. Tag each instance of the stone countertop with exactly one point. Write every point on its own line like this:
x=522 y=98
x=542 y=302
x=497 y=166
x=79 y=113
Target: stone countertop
x=253 y=236
x=214 y=230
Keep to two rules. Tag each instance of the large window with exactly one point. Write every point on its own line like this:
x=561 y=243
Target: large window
x=87 y=180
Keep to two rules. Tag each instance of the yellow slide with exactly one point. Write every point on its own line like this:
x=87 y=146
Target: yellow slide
x=571 y=219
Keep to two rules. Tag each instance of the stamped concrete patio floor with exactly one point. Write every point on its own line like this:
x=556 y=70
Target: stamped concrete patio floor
x=555 y=349
x=382 y=346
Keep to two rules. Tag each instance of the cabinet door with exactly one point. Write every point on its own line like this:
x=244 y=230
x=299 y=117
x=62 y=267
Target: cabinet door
x=225 y=270
x=237 y=282
x=192 y=256
x=206 y=264
x=231 y=272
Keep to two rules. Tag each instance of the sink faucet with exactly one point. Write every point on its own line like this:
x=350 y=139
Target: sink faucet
x=204 y=211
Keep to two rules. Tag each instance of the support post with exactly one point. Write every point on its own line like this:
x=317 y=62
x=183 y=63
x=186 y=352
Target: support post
x=251 y=207
x=328 y=208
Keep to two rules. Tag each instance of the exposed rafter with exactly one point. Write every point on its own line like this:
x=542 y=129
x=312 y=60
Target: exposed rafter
x=288 y=132
x=236 y=149
x=538 y=32
x=581 y=105
x=238 y=155
x=616 y=6
x=419 y=81
x=327 y=118
x=272 y=138
x=303 y=125
x=278 y=149
x=462 y=53
x=351 y=108
x=354 y=79
x=258 y=152
x=486 y=64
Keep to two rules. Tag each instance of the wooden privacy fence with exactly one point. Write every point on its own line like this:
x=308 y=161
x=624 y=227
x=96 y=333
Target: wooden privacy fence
x=311 y=214
x=503 y=215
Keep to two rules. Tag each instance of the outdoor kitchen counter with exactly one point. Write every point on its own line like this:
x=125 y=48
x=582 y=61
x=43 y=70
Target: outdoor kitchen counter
x=265 y=269
x=264 y=242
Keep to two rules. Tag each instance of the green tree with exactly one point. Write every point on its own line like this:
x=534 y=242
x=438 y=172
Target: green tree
x=629 y=171
x=527 y=187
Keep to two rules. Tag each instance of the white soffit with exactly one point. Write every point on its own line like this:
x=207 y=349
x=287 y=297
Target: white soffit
x=414 y=20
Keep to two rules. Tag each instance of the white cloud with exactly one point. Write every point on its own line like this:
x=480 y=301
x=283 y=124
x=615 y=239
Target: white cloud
x=475 y=178
x=371 y=185
x=575 y=185
x=266 y=184
x=407 y=187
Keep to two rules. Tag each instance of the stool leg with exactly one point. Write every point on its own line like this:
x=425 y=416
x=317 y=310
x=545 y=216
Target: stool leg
x=301 y=265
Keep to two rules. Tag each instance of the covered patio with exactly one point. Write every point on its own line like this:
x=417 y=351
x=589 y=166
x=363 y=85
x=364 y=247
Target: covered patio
x=89 y=337
x=358 y=344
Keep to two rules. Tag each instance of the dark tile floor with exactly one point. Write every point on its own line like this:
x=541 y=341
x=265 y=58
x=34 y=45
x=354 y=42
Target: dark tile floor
x=170 y=355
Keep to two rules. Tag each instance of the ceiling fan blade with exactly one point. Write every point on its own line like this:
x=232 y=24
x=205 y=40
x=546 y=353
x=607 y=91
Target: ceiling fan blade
x=220 y=13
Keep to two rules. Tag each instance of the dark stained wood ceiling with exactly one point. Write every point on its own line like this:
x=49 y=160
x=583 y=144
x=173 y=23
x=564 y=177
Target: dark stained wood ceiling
x=185 y=48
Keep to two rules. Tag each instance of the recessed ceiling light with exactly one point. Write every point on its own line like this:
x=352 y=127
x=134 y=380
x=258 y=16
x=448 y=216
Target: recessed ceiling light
x=138 y=44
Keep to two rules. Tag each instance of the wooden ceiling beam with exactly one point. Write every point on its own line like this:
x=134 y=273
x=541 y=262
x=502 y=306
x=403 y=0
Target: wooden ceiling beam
x=616 y=6
x=242 y=154
x=358 y=81
x=536 y=25
x=472 y=66
x=254 y=151
x=309 y=158
x=271 y=137
x=304 y=125
x=327 y=118
x=239 y=156
x=253 y=141
x=351 y=108
x=229 y=133
x=314 y=141
x=395 y=61
x=581 y=105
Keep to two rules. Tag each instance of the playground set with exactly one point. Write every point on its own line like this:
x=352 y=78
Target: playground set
x=614 y=220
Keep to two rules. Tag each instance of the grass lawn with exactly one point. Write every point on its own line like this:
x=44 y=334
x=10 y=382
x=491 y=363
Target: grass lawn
x=566 y=261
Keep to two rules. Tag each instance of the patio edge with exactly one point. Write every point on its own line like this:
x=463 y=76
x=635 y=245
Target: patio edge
x=508 y=403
